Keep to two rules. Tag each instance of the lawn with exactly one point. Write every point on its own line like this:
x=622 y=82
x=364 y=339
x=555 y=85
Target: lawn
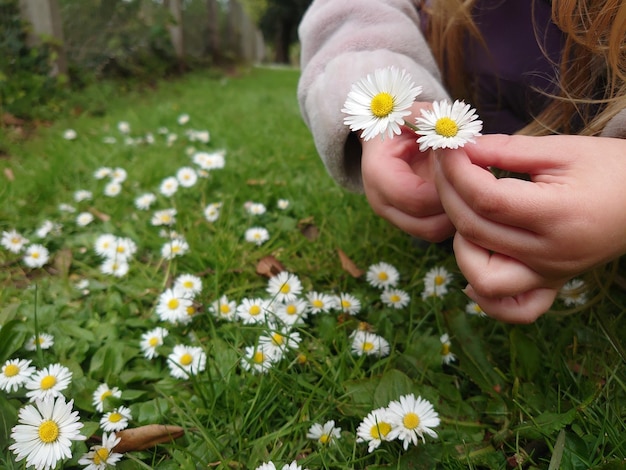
x=205 y=275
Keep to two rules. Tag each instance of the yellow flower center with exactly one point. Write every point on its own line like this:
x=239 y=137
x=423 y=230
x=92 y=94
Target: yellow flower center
x=380 y=430
x=291 y=310
x=11 y=370
x=317 y=303
x=166 y=218
x=382 y=104
x=48 y=431
x=445 y=349
x=115 y=417
x=367 y=346
x=277 y=339
x=411 y=420
x=395 y=298
x=173 y=304
x=175 y=248
x=446 y=127
x=325 y=438
x=477 y=308
x=35 y=254
x=439 y=280
x=106 y=394
x=383 y=276
x=225 y=309
x=258 y=357
x=345 y=303
x=186 y=359
x=285 y=289
x=100 y=456
x=188 y=284
x=191 y=310
x=120 y=249
x=15 y=240
x=254 y=310
x=48 y=382
x=154 y=342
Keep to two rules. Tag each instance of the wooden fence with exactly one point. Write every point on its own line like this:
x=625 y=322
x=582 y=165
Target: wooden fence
x=196 y=28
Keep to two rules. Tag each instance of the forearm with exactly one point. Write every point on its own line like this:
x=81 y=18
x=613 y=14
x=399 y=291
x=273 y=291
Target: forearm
x=342 y=42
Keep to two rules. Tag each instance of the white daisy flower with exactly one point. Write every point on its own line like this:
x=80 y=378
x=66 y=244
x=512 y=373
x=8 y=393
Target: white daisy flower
x=144 y=201
x=395 y=298
x=115 y=267
x=70 y=134
x=15 y=373
x=112 y=189
x=257 y=235
x=369 y=344
x=186 y=177
x=255 y=208
x=284 y=287
x=174 y=248
x=102 y=393
x=279 y=340
x=472 y=308
x=48 y=382
x=183 y=119
x=169 y=186
x=13 y=241
x=63 y=207
x=447 y=125
x=212 y=212
x=292 y=466
x=378 y=104
x=382 y=275
x=411 y=418
x=162 y=130
x=116 y=420
x=172 y=305
x=46 y=228
x=291 y=312
x=282 y=204
x=257 y=359
x=202 y=136
x=118 y=175
x=436 y=282
x=101 y=456
x=124 y=247
x=123 y=127
x=164 y=217
x=149 y=138
x=151 y=340
x=189 y=284
x=251 y=311
x=45 y=432
x=102 y=172
x=210 y=161
x=447 y=357
x=224 y=309
x=348 y=303
x=82 y=195
x=325 y=434
x=107 y=139
x=84 y=218
x=185 y=361
x=105 y=245
x=36 y=256
x=320 y=302
x=43 y=340
x=374 y=429
x=266 y=466
x=574 y=293
x=170 y=139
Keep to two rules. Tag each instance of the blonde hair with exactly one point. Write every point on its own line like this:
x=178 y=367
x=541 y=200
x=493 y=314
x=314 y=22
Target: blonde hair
x=592 y=81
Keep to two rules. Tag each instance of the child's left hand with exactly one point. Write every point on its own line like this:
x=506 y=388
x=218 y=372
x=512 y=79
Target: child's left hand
x=518 y=241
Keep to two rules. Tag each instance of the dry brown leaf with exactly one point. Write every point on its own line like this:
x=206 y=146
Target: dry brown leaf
x=310 y=231
x=8 y=173
x=63 y=261
x=269 y=266
x=348 y=265
x=100 y=215
x=10 y=120
x=147 y=436
x=255 y=182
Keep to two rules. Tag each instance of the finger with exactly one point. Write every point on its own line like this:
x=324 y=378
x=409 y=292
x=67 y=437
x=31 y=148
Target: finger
x=522 y=308
x=493 y=275
x=509 y=201
x=434 y=228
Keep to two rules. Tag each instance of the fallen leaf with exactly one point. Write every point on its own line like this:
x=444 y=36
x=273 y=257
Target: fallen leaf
x=269 y=266
x=8 y=173
x=348 y=265
x=10 y=120
x=100 y=215
x=147 y=436
x=63 y=261
x=255 y=182
x=310 y=231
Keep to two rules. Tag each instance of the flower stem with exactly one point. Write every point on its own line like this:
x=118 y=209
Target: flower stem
x=413 y=127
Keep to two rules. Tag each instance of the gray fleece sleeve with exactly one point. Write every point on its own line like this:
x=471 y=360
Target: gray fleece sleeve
x=342 y=42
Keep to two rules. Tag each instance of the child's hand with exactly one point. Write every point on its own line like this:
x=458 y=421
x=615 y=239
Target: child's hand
x=519 y=241
x=398 y=182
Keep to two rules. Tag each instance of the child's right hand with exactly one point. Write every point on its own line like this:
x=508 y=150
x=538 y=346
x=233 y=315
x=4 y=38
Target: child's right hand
x=398 y=182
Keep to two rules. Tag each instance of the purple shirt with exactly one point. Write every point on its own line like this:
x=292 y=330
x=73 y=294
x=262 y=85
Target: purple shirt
x=524 y=49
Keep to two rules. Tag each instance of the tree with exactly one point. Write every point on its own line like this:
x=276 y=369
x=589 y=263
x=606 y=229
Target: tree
x=279 y=23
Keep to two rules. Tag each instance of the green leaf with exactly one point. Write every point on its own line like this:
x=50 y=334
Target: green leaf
x=545 y=424
x=526 y=357
x=393 y=384
x=10 y=339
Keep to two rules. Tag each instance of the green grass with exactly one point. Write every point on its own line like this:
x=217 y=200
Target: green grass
x=547 y=395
